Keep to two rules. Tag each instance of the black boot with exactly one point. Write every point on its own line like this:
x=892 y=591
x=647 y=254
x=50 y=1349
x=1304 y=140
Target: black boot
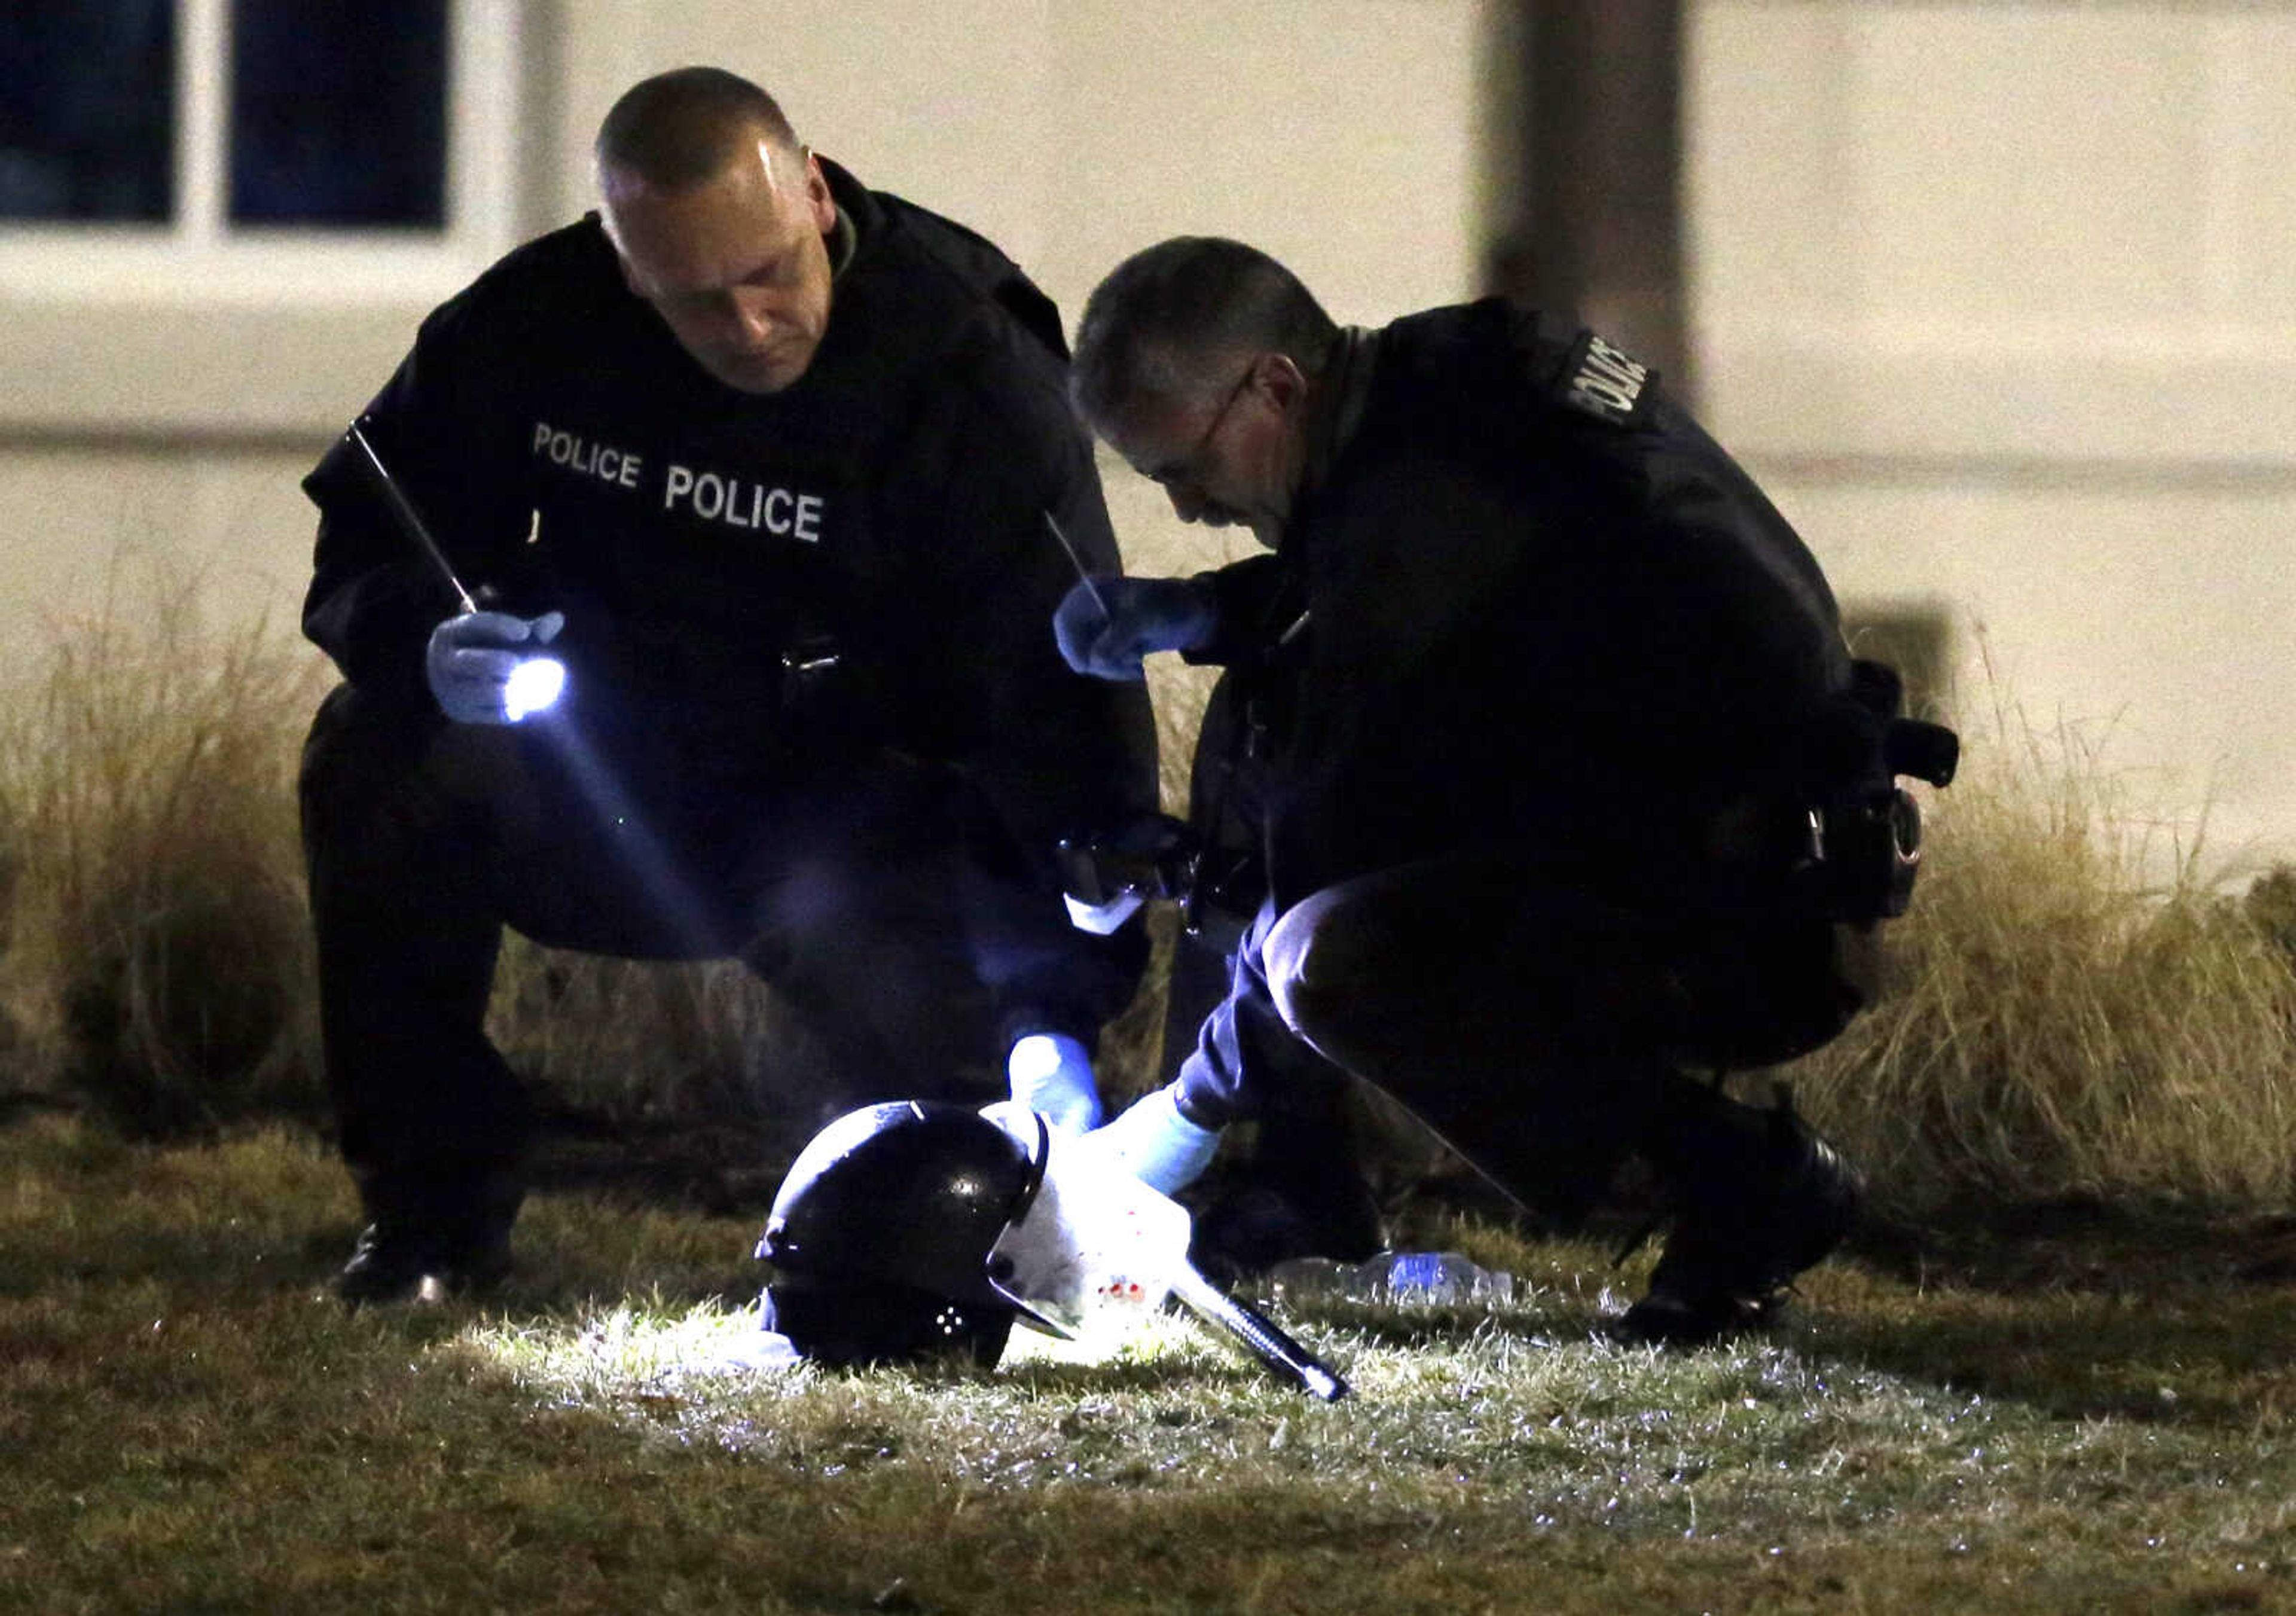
x=1272 y=1209
x=424 y=1241
x=1757 y=1197
x=1301 y=1191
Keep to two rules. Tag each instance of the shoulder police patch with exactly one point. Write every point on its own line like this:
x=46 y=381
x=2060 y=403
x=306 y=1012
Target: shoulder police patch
x=1605 y=382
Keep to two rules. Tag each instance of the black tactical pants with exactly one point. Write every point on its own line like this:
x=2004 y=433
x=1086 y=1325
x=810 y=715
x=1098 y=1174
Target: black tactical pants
x=1542 y=1033
x=856 y=890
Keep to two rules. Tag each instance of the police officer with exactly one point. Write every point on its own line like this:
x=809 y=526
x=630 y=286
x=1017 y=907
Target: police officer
x=1554 y=707
x=768 y=463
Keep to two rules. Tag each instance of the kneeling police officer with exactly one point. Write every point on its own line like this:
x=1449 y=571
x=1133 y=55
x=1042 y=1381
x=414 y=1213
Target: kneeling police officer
x=1574 y=799
x=765 y=460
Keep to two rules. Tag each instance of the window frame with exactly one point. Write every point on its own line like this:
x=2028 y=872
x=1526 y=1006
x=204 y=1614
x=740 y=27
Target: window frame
x=199 y=257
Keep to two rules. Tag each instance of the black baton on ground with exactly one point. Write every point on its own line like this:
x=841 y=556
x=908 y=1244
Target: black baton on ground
x=1259 y=1335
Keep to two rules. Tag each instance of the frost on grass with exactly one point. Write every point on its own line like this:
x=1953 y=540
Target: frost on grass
x=1565 y=1432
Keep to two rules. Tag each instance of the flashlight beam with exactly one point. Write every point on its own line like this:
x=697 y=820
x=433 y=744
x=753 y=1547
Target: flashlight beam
x=1257 y=1334
x=1076 y=561
x=410 y=520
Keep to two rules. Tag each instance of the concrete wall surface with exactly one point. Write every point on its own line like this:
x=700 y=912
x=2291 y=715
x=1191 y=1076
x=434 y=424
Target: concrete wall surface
x=161 y=401
x=1999 y=299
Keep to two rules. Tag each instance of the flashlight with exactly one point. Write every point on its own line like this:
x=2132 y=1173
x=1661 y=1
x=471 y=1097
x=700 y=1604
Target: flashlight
x=537 y=682
x=533 y=686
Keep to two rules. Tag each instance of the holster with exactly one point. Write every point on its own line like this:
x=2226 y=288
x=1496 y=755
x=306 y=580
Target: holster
x=1218 y=889
x=1862 y=845
x=1153 y=856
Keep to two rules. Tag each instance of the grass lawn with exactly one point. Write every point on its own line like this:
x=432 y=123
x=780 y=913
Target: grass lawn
x=2068 y=1418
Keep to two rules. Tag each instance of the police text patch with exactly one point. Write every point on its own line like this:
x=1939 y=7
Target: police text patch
x=732 y=499
x=1606 y=383
x=740 y=502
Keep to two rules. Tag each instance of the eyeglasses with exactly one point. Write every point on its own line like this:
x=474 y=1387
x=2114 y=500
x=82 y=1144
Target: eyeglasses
x=1189 y=467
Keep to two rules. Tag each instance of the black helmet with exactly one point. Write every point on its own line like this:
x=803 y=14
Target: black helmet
x=880 y=1236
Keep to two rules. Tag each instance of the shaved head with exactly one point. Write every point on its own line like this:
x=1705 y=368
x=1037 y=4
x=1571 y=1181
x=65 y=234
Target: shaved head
x=720 y=219
x=679 y=128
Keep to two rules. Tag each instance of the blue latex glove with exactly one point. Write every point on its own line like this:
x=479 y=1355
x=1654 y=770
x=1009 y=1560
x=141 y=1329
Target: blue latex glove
x=1142 y=615
x=471 y=660
x=1051 y=1073
x=1153 y=1141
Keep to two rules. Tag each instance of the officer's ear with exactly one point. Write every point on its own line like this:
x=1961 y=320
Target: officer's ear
x=1280 y=382
x=819 y=202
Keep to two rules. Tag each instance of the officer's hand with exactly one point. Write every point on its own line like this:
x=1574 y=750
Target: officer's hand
x=472 y=660
x=1142 y=615
x=1051 y=1073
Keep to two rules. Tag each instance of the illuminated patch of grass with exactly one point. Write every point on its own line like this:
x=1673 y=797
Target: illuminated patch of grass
x=188 y=1421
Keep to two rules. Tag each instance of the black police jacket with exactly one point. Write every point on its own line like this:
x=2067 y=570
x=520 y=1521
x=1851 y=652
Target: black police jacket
x=1543 y=608
x=888 y=510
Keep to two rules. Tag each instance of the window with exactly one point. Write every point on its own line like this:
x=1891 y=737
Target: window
x=87 y=124
x=337 y=115
x=200 y=150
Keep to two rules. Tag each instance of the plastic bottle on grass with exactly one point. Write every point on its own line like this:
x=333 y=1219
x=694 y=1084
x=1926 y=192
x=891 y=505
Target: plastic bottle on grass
x=1434 y=1278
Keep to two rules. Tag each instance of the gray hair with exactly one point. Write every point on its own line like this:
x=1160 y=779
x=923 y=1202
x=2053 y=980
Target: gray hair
x=679 y=128
x=1161 y=321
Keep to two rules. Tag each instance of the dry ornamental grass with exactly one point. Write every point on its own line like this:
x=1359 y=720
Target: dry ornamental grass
x=2066 y=1024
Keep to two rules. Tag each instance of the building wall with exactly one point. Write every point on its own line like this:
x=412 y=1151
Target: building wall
x=2000 y=300
x=1999 y=297
x=170 y=414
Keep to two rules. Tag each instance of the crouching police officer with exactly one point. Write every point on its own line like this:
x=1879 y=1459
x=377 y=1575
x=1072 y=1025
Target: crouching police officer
x=1573 y=794
x=768 y=463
